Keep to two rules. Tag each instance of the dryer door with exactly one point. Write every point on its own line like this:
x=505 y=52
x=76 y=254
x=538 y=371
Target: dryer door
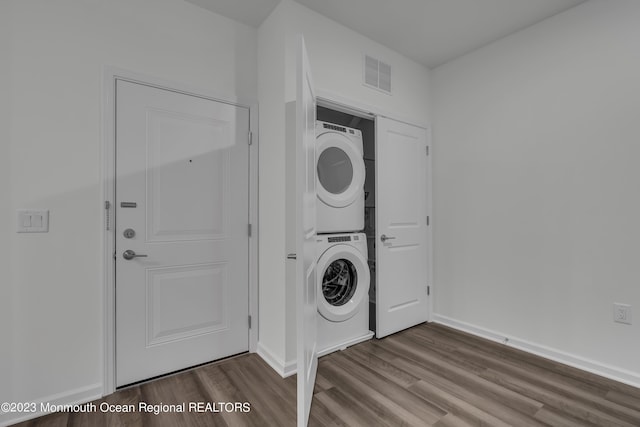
x=340 y=170
x=343 y=282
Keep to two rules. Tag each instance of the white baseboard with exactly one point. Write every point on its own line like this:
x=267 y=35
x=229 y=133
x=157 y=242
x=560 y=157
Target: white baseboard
x=72 y=397
x=284 y=369
x=604 y=370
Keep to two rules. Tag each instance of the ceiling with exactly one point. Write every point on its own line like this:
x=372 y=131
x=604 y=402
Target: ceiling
x=250 y=12
x=431 y=32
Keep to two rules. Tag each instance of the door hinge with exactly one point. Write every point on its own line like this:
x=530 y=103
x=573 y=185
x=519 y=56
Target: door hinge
x=115 y=257
x=428 y=290
x=427 y=221
x=107 y=207
x=249 y=229
x=249 y=322
x=427 y=147
x=250 y=137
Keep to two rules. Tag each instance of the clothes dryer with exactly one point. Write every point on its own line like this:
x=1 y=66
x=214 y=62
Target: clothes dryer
x=340 y=173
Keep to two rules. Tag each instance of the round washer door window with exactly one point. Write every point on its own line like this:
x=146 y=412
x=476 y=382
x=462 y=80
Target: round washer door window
x=339 y=282
x=343 y=282
x=340 y=170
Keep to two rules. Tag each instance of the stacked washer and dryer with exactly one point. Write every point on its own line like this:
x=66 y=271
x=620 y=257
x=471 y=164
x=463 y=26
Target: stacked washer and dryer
x=343 y=272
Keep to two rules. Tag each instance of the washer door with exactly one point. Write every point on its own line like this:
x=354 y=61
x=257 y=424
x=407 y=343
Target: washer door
x=340 y=170
x=343 y=282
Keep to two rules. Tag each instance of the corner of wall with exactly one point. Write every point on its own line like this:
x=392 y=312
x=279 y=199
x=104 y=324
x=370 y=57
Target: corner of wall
x=284 y=368
x=272 y=178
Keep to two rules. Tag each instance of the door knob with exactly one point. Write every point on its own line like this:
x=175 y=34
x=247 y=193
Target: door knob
x=384 y=238
x=129 y=255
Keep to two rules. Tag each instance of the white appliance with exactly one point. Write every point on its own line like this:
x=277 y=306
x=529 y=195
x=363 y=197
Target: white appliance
x=343 y=291
x=340 y=173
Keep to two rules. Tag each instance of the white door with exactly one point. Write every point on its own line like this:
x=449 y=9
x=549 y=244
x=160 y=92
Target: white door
x=401 y=228
x=182 y=210
x=306 y=245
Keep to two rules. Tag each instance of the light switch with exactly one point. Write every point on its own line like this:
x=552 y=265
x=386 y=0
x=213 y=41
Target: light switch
x=33 y=221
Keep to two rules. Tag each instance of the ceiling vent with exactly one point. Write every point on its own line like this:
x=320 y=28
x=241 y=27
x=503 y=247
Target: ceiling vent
x=377 y=74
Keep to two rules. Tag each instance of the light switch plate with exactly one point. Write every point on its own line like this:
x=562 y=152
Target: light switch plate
x=622 y=313
x=32 y=221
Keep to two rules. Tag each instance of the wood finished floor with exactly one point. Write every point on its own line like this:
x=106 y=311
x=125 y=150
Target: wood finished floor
x=429 y=375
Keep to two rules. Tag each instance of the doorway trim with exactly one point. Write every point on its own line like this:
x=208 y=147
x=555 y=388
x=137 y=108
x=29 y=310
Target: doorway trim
x=108 y=176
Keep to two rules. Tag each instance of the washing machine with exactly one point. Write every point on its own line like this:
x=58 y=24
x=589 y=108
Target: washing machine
x=343 y=291
x=340 y=173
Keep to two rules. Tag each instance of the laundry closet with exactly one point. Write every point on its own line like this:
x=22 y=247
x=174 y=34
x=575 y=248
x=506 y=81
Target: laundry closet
x=366 y=125
x=384 y=256
x=358 y=241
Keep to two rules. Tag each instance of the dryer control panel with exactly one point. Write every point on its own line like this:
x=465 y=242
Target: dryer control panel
x=342 y=129
x=338 y=239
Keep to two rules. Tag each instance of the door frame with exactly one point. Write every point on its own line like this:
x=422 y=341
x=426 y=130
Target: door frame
x=108 y=176
x=334 y=101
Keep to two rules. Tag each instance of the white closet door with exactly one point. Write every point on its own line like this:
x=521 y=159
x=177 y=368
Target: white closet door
x=401 y=229
x=307 y=257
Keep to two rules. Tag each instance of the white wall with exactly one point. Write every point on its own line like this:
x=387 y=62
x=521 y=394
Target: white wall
x=272 y=188
x=536 y=185
x=6 y=335
x=335 y=55
x=57 y=53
